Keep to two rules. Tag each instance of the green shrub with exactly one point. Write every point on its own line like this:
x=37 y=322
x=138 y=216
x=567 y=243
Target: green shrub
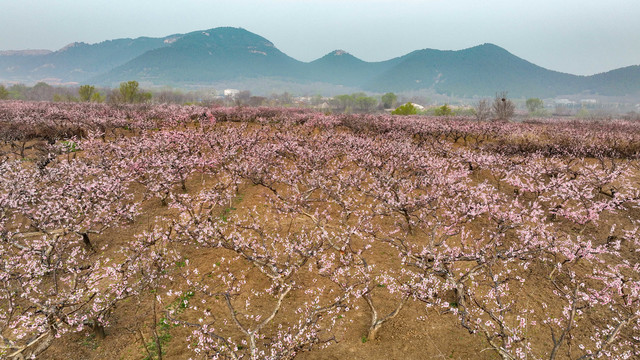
x=406 y=109
x=443 y=110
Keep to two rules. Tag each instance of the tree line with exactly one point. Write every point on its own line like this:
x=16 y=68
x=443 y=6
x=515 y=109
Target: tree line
x=127 y=92
x=500 y=108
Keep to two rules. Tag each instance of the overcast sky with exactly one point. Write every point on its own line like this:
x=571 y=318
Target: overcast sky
x=576 y=36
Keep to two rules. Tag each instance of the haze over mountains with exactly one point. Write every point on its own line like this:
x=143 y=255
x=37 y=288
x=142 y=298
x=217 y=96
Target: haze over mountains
x=224 y=57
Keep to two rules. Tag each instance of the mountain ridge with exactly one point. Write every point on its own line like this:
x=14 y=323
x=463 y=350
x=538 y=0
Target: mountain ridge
x=227 y=55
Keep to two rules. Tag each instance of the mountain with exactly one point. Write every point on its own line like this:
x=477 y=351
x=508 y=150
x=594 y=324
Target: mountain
x=228 y=57
x=474 y=71
x=340 y=67
x=208 y=56
x=619 y=82
x=75 y=62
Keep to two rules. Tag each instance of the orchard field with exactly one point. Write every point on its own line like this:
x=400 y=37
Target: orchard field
x=175 y=232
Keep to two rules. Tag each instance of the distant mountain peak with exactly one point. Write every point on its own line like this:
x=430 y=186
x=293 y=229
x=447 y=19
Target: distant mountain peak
x=489 y=45
x=488 y=48
x=341 y=56
x=223 y=37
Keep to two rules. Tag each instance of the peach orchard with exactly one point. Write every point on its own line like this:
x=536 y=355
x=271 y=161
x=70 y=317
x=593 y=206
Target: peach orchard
x=527 y=233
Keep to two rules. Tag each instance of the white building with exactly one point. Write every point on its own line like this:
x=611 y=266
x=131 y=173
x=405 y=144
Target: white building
x=565 y=102
x=418 y=107
x=231 y=92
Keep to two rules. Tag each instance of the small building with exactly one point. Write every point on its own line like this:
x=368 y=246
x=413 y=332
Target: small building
x=231 y=92
x=418 y=107
x=565 y=102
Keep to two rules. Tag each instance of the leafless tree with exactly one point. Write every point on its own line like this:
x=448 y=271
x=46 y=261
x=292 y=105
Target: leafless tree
x=483 y=110
x=503 y=108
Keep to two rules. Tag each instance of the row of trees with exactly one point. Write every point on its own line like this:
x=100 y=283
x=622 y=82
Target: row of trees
x=128 y=92
x=501 y=109
x=358 y=102
x=361 y=102
x=40 y=91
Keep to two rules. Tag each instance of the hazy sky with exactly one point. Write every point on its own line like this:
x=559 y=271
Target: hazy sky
x=575 y=36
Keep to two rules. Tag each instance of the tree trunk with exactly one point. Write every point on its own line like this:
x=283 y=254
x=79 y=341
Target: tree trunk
x=373 y=331
x=87 y=242
x=98 y=330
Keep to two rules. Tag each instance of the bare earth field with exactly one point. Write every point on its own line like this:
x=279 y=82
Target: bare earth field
x=176 y=232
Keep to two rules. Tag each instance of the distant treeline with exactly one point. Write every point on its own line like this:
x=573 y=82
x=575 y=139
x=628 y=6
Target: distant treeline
x=128 y=92
x=359 y=102
x=131 y=92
